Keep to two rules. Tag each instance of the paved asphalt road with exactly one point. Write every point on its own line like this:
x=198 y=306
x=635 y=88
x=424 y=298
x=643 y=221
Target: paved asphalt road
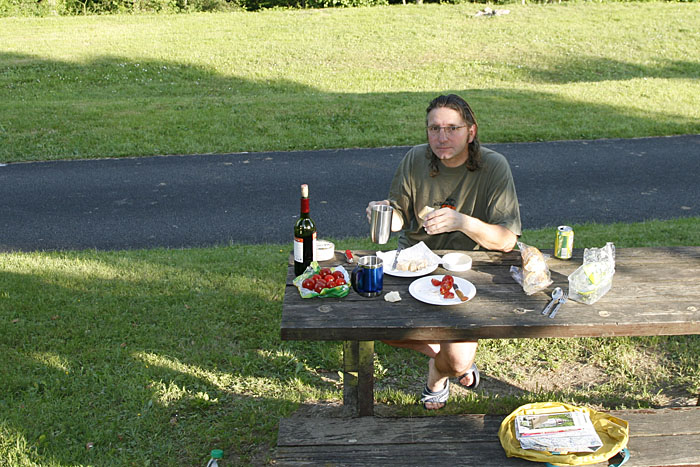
x=185 y=201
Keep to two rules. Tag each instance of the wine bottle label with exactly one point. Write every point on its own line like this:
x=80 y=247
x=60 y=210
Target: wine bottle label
x=299 y=248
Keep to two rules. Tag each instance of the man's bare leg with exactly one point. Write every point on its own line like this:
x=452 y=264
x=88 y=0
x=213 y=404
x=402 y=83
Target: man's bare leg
x=446 y=359
x=453 y=359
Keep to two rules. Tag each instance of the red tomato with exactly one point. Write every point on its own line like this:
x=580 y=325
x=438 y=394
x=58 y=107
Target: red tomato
x=444 y=289
x=340 y=281
x=338 y=275
x=447 y=279
x=328 y=277
x=436 y=282
x=319 y=286
x=308 y=284
x=325 y=271
x=449 y=295
x=330 y=284
x=316 y=277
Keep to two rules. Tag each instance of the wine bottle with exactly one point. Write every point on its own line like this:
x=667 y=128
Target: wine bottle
x=304 y=235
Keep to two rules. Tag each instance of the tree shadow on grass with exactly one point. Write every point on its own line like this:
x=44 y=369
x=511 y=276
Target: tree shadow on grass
x=596 y=69
x=119 y=358
x=113 y=106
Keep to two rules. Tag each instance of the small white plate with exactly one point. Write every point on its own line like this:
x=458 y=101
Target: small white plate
x=457 y=262
x=388 y=258
x=423 y=289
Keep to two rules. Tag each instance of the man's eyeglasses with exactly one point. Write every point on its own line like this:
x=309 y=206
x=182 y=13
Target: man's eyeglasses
x=434 y=130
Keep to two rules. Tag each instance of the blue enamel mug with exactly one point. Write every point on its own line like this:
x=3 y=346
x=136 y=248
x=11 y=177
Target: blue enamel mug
x=368 y=277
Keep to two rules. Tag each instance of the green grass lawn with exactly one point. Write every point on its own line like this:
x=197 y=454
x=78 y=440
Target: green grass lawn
x=156 y=357
x=77 y=87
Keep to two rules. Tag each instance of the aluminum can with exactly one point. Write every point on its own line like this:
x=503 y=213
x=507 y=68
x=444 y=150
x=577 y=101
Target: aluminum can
x=564 y=243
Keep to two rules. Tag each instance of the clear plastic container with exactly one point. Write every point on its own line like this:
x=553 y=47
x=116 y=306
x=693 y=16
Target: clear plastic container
x=593 y=278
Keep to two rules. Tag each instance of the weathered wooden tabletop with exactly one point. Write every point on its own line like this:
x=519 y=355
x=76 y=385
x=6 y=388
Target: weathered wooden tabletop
x=655 y=291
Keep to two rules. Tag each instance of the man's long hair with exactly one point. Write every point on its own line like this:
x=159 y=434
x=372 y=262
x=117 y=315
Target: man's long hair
x=454 y=102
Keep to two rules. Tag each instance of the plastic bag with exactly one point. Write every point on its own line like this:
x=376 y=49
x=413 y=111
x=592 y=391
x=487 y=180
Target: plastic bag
x=534 y=275
x=613 y=432
x=593 y=278
x=337 y=292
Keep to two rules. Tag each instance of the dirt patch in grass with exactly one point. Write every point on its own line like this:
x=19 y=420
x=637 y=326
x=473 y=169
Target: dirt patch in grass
x=571 y=376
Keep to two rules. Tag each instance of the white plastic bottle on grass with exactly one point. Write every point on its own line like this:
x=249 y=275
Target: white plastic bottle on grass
x=216 y=455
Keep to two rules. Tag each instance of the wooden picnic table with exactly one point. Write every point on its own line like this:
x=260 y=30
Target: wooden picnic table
x=656 y=291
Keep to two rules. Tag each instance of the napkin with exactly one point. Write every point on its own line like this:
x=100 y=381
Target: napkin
x=417 y=252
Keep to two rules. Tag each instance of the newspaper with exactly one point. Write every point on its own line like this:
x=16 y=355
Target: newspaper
x=557 y=432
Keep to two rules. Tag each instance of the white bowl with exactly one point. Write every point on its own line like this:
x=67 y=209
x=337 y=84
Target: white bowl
x=457 y=262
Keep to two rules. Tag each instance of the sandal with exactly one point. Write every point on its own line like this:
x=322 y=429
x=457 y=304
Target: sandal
x=475 y=379
x=438 y=397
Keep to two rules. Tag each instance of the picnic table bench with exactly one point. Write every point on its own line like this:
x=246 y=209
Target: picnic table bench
x=662 y=437
x=656 y=291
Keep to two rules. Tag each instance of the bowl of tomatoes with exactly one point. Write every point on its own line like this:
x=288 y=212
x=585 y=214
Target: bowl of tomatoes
x=319 y=281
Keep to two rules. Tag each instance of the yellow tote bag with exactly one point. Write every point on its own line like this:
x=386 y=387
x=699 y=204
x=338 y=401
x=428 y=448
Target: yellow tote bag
x=613 y=432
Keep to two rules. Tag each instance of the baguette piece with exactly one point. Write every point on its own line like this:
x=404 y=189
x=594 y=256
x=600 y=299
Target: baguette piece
x=425 y=211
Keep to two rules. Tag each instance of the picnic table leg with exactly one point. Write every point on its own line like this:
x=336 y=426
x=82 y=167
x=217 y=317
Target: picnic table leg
x=358 y=377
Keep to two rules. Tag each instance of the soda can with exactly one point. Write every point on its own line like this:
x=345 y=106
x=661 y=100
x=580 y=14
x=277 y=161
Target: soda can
x=564 y=244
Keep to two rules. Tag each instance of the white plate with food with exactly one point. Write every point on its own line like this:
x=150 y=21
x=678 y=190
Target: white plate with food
x=424 y=290
x=406 y=267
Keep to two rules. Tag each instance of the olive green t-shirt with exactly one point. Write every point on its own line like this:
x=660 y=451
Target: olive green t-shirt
x=487 y=193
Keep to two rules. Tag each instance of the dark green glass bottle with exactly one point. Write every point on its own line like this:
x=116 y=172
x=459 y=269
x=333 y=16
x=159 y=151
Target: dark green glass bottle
x=304 y=235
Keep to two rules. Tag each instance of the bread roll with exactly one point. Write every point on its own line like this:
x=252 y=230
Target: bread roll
x=533 y=260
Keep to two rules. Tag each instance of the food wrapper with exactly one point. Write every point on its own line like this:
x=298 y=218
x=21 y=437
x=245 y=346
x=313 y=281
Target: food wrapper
x=419 y=256
x=593 y=278
x=534 y=275
x=337 y=292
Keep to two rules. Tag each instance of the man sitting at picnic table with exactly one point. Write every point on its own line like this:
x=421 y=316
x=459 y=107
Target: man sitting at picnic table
x=451 y=193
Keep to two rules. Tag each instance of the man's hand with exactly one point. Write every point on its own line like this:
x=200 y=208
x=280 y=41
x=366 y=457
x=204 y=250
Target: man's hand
x=396 y=220
x=443 y=220
x=374 y=203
